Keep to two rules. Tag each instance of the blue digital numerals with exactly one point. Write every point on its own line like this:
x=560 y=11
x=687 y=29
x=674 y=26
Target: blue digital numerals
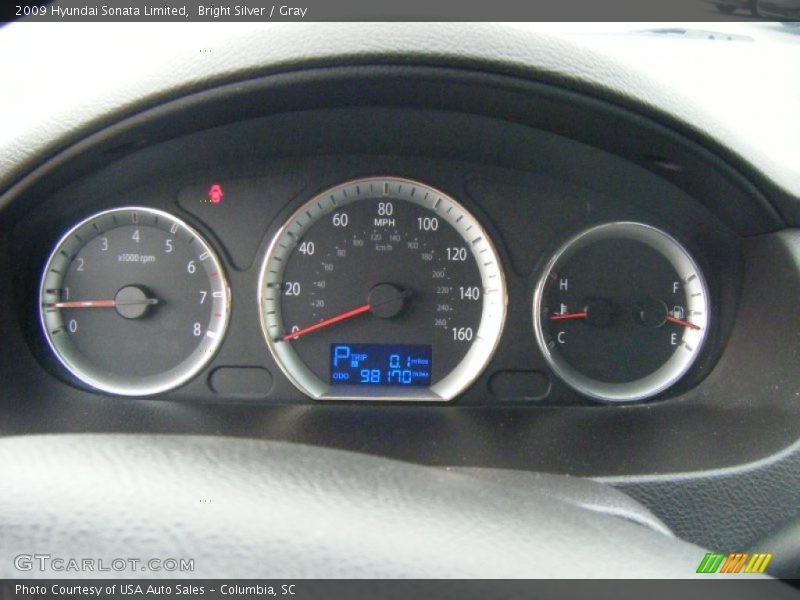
x=381 y=364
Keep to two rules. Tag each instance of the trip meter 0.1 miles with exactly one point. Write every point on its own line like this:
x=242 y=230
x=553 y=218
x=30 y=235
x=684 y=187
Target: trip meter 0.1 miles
x=382 y=289
x=621 y=312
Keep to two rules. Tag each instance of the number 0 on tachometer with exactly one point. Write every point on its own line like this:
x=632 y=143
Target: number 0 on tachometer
x=382 y=289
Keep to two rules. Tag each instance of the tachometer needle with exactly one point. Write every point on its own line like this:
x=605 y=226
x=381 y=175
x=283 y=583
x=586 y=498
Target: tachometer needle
x=678 y=321
x=326 y=322
x=101 y=303
x=575 y=315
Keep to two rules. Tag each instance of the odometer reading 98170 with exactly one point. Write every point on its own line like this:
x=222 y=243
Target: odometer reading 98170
x=382 y=289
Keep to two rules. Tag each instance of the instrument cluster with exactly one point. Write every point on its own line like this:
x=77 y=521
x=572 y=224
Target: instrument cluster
x=382 y=288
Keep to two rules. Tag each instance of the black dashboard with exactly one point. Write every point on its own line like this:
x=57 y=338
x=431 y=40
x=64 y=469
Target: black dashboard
x=535 y=165
x=528 y=215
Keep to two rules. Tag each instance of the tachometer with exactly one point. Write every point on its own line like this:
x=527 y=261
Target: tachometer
x=382 y=289
x=621 y=312
x=133 y=301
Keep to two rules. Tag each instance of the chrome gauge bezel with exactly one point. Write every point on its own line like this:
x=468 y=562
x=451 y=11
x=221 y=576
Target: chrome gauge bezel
x=71 y=359
x=446 y=208
x=691 y=343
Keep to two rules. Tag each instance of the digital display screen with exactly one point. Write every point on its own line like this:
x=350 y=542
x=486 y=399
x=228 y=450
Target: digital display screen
x=381 y=364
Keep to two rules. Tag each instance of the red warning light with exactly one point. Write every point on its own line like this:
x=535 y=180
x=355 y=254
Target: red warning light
x=215 y=193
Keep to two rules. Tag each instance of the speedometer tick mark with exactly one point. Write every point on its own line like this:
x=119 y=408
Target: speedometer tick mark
x=477 y=239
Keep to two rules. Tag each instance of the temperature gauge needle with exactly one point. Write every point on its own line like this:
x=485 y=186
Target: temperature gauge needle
x=575 y=315
x=678 y=321
x=326 y=322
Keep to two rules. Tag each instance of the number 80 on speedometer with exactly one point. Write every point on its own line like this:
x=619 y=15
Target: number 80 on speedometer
x=382 y=289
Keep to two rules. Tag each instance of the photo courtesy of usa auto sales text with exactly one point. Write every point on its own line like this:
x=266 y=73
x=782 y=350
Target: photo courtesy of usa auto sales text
x=145 y=590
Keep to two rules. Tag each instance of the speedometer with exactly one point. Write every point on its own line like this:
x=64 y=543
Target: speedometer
x=382 y=289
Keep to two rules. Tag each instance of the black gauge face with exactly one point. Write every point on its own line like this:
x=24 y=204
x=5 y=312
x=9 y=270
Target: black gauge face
x=382 y=288
x=621 y=312
x=133 y=301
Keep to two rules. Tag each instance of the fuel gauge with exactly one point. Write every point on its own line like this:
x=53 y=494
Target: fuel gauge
x=621 y=312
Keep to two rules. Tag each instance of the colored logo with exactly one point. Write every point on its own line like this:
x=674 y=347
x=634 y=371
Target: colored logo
x=734 y=562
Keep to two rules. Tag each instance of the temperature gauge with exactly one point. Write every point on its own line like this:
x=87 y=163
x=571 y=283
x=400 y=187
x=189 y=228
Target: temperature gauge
x=621 y=312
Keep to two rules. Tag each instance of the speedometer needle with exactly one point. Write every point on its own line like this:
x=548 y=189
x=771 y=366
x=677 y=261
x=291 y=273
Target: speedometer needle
x=386 y=297
x=326 y=322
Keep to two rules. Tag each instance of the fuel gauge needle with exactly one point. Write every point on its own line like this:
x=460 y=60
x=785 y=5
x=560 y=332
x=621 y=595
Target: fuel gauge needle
x=678 y=321
x=565 y=316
